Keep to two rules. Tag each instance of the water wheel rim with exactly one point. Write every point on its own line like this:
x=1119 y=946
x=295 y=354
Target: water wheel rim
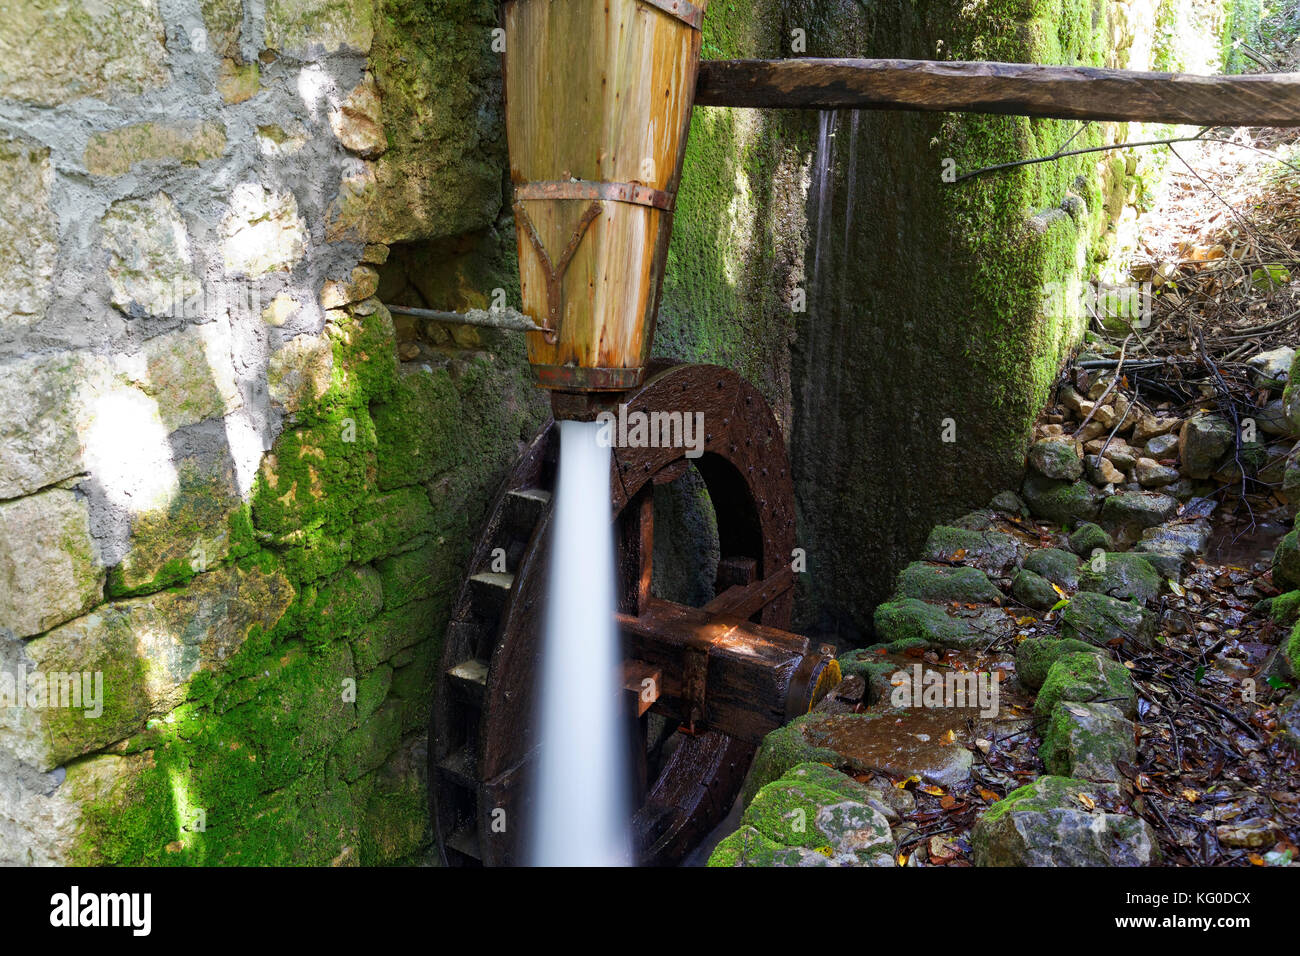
x=747 y=474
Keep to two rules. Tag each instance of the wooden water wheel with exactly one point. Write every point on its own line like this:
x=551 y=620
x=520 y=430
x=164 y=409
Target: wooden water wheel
x=722 y=675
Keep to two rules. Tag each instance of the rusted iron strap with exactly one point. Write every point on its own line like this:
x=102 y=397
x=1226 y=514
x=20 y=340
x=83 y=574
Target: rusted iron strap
x=633 y=193
x=580 y=378
x=688 y=13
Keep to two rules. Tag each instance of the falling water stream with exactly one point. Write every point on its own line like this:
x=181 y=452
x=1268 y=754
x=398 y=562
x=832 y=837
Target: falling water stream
x=581 y=801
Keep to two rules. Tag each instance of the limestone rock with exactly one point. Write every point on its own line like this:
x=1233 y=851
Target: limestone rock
x=1055 y=459
x=1100 y=619
x=358 y=121
x=299 y=373
x=1182 y=539
x=1122 y=575
x=1202 y=443
x=1036 y=655
x=1087 y=741
x=54 y=51
x=1010 y=503
x=1060 y=501
x=1033 y=590
x=1088 y=537
x=190 y=374
x=1272 y=368
x=113 y=152
x=49 y=566
x=812 y=816
x=297 y=26
x=263 y=231
x=1056 y=565
x=1129 y=513
x=1048 y=823
x=1081 y=677
x=934 y=582
x=40 y=401
x=150 y=269
x=28 y=231
x=1101 y=471
x=1152 y=474
x=912 y=619
x=993 y=552
x=147 y=650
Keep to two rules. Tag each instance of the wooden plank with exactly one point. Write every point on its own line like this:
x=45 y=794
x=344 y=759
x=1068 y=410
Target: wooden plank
x=1062 y=92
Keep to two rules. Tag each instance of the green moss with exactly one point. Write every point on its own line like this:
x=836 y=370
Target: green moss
x=1085 y=677
x=932 y=582
x=1285 y=608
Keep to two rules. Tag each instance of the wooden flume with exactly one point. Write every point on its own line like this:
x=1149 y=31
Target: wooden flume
x=598 y=102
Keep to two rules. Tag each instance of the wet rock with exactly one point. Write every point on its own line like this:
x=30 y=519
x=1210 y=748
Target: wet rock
x=1009 y=503
x=813 y=816
x=910 y=618
x=982 y=520
x=1087 y=742
x=1036 y=655
x=1101 y=471
x=897 y=743
x=1061 y=501
x=1129 y=513
x=1247 y=834
x=1182 y=489
x=1271 y=369
x=1033 y=590
x=1049 y=823
x=1289 y=712
x=1120 y=574
x=1286 y=561
x=1151 y=474
x=993 y=552
x=1088 y=537
x=1181 y=539
x=1162 y=446
x=1085 y=677
x=1202 y=443
x=1100 y=619
x=1055 y=458
x=933 y=582
x=1057 y=565
x=1272 y=419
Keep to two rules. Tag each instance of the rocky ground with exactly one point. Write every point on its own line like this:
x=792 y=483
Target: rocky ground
x=1144 y=710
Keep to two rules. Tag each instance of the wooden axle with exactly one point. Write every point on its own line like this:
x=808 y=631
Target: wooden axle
x=718 y=671
x=1027 y=89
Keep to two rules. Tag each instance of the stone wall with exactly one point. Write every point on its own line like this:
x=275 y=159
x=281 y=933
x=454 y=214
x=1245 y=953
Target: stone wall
x=241 y=492
x=219 y=489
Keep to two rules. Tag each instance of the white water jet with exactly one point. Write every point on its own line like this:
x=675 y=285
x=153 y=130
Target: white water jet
x=581 y=800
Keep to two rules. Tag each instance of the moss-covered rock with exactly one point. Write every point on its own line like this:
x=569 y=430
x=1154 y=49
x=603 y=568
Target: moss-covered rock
x=1049 y=823
x=1056 y=565
x=1082 y=677
x=1033 y=590
x=1286 y=561
x=1101 y=620
x=991 y=551
x=1088 y=537
x=1036 y=655
x=1056 y=458
x=1122 y=575
x=1061 y=501
x=905 y=622
x=1129 y=513
x=940 y=583
x=1087 y=741
x=782 y=750
x=1285 y=608
x=825 y=814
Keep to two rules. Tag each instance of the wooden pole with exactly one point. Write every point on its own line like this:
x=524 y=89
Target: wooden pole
x=1061 y=92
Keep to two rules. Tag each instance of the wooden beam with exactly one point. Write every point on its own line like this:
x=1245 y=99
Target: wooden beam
x=1062 y=92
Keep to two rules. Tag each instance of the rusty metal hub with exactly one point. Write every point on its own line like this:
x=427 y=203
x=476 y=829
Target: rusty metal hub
x=704 y=684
